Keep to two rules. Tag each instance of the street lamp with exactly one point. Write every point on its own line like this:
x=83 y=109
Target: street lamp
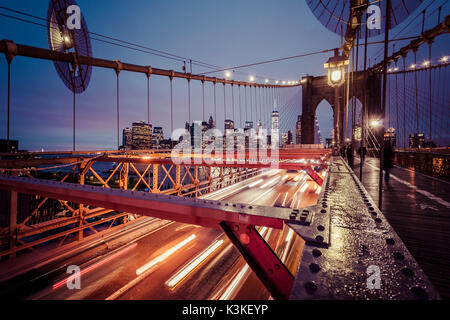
x=336 y=78
x=336 y=69
x=252 y=78
x=375 y=123
x=67 y=40
x=227 y=74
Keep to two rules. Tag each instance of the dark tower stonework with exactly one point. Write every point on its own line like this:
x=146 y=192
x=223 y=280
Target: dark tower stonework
x=316 y=89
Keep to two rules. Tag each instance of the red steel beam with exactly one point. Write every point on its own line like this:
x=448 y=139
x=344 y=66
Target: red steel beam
x=207 y=213
x=260 y=257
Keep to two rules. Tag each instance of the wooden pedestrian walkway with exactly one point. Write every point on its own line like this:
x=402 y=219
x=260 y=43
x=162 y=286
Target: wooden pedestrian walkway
x=418 y=208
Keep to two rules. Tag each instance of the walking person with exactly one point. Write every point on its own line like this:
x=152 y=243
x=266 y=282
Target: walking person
x=362 y=153
x=388 y=159
x=350 y=156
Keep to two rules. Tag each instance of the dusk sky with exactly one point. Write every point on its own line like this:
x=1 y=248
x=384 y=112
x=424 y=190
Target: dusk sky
x=223 y=33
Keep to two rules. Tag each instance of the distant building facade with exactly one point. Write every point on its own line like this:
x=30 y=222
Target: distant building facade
x=298 y=130
x=157 y=137
x=141 y=133
x=127 y=139
x=275 y=120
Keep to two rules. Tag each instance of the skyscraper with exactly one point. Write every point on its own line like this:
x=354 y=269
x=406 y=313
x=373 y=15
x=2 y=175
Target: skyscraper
x=290 y=138
x=275 y=120
x=127 y=139
x=141 y=135
x=211 y=123
x=248 y=125
x=284 y=139
x=157 y=137
x=298 y=130
x=229 y=127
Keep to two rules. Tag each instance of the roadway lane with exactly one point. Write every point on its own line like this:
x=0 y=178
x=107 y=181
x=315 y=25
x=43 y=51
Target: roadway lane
x=179 y=261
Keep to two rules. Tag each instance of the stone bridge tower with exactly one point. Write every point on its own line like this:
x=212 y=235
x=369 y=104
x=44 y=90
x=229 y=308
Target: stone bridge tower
x=316 y=89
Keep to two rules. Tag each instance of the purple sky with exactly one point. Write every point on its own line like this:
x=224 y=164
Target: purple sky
x=223 y=33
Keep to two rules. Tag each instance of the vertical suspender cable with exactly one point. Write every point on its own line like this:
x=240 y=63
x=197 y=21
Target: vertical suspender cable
x=396 y=102
x=405 y=139
x=203 y=100
x=355 y=88
x=251 y=103
x=256 y=107
x=189 y=100
x=117 y=105
x=224 y=104
x=232 y=102
x=148 y=100
x=415 y=84
x=149 y=72
x=246 y=114
x=171 y=106
x=74 y=117
x=383 y=109
x=429 y=93
x=260 y=106
x=240 y=106
x=215 y=106
x=118 y=69
x=9 y=107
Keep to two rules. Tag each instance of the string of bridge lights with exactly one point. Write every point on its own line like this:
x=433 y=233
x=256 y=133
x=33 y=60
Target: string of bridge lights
x=425 y=64
x=229 y=74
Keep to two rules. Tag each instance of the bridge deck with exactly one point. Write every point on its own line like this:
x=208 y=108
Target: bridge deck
x=418 y=208
x=361 y=241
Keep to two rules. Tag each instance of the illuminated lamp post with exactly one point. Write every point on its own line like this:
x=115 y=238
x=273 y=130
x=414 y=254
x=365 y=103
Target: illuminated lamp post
x=336 y=78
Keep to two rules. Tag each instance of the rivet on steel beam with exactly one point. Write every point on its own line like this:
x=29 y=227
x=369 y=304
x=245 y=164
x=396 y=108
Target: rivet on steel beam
x=316 y=253
x=310 y=287
x=314 y=267
x=390 y=241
